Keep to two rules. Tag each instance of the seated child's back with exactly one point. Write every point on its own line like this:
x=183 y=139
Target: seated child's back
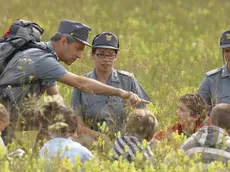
x=141 y=126
x=58 y=122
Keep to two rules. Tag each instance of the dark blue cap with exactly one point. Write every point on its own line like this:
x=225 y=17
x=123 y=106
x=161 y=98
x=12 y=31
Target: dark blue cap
x=225 y=39
x=78 y=30
x=106 y=40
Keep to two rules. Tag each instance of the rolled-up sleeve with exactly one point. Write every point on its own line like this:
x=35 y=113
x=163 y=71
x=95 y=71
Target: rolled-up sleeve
x=49 y=69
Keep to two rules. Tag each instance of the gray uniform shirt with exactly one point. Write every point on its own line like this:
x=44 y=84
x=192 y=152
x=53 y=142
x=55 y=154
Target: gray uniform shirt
x=96 y=108
x=215 y=87
x=28 y=64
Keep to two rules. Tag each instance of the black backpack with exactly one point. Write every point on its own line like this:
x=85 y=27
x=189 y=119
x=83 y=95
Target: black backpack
x=21 y=35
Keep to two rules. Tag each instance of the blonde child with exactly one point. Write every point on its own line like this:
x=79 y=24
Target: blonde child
x=141 y=126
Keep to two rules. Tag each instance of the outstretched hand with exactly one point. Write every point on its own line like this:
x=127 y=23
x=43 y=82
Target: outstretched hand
x=132 y=98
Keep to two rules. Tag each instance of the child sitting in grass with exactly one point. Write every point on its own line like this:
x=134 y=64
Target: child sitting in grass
x=61 y=125
x=191 y=113
x=53 y=121
x=141 y=126
x=212 y=142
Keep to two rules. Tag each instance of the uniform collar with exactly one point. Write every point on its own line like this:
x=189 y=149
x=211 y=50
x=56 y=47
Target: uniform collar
x=50 y=47
x=225 y=72
x=113 y=77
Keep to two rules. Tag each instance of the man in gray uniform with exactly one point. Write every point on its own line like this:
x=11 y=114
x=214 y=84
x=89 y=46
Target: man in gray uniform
x=94 y=109
x=67 y=46
x=215 y=87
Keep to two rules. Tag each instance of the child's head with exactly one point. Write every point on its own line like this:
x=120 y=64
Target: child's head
x=4 y=117
x=142 y=123
x=191 y=109
x=220 y=116
x=49 y=117
x=61 y=120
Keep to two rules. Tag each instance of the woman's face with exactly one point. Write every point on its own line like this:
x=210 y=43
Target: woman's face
x=104 y=59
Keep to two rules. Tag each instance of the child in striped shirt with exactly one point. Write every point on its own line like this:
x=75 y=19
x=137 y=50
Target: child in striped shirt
x=141 y=125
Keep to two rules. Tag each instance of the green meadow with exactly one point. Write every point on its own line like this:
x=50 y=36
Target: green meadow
x=168 y=45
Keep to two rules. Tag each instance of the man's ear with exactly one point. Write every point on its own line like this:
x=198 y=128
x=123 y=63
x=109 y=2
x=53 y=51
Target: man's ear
x=63 y=40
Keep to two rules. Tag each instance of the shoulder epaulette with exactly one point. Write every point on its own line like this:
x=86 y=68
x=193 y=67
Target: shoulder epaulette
x=214 y=71
x=125 y=73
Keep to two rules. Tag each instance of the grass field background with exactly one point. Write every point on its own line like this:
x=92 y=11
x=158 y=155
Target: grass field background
x=169 y=45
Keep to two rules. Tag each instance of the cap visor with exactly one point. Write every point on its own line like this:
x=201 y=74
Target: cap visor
x=82 y=41
x=105 y=46
x=225 y=46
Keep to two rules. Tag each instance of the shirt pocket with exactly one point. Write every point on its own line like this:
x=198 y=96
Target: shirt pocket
x=94 y=104
x=224 y=98
x=221 y=91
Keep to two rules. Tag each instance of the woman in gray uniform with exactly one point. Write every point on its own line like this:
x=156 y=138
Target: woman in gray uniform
x=93 y=109
x=215 y=87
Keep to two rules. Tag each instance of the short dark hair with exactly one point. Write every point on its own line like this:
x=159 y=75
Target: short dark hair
x=57 y=36
x=220 y=116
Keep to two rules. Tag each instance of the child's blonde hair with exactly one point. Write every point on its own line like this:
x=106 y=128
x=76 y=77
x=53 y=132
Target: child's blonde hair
x=142 y=123
x=50 y=116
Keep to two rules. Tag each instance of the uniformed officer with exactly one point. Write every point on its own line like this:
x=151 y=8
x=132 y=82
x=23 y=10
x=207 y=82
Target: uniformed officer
x=67 y=46
x=215 y=87
x=94 y=109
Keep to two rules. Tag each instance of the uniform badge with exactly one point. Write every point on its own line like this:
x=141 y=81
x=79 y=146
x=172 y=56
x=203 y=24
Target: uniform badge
x=108 y=37
x=228 y=36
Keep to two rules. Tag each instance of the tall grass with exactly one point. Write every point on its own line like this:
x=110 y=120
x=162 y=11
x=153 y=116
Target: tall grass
x=167 y=44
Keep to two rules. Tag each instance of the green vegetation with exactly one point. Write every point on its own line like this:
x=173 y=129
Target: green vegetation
x=168 y=45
